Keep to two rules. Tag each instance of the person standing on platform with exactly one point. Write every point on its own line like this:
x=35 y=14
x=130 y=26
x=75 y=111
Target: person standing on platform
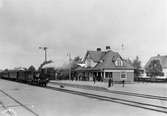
x=94 y=79
x=123 y=83
x=109 y=82
x=112 y=82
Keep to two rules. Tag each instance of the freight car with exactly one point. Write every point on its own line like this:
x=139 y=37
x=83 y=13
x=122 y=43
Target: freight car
x=5 y=74
x=39 y=78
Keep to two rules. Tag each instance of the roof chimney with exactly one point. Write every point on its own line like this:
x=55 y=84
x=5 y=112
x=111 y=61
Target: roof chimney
x=107 y=48
x=98 y=49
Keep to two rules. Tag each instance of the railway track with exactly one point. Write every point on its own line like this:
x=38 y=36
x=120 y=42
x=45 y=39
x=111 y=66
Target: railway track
x=146 y=106
x=137 y=95
x=115 y=91
x=20 y=104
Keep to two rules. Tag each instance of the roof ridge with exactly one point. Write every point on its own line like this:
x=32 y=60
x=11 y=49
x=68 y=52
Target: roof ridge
x=95 y=51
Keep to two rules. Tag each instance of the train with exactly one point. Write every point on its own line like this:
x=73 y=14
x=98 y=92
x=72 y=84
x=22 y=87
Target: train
x=39 y=78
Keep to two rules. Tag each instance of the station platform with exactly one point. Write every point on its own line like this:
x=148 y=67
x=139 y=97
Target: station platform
x=159 y=89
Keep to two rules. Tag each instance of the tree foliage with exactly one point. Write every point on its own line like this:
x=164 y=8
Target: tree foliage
x=154 y=68
x=136 y=63
x=44 y=63
x=63 y=72
x=129 y=61
x=75 y=62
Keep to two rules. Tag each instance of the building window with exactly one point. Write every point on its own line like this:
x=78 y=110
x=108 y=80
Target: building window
x=119 y=62
x=123 y=75
x=108 y=74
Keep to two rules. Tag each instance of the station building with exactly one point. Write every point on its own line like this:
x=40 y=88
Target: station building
x=102 y=65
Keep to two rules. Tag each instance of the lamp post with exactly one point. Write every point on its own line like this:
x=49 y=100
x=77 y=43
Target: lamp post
x=45 y=50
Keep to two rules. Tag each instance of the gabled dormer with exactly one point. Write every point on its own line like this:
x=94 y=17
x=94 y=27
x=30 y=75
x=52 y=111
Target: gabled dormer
x=89 y=61
x=119 y=62
x=92 y=58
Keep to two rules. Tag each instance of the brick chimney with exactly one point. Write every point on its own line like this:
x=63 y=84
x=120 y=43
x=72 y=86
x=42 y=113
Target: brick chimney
x=98 y=49
x=107 y=48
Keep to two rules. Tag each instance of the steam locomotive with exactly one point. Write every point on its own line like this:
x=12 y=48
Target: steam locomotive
x=39 y=78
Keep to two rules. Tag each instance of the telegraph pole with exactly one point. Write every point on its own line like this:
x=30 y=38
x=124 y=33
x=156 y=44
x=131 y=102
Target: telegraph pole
x=69 y=55
x=45 y=50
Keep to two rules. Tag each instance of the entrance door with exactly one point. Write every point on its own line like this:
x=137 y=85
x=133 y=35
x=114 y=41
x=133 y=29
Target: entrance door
x=99 y=76
x=108 y=74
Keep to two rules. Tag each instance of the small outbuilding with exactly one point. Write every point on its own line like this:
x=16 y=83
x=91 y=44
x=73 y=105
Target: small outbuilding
x=163 y=62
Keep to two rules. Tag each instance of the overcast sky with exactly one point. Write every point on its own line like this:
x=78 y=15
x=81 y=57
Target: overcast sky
x=77 y=26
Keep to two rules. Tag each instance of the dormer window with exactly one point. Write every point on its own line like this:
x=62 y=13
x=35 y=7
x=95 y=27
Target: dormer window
x=119 y=62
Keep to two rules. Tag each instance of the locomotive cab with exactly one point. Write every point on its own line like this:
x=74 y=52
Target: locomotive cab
x=43 y=78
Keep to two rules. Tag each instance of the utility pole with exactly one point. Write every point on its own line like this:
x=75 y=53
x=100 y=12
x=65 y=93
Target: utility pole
x=123 y=51
x=45 y=50
x=69 y=55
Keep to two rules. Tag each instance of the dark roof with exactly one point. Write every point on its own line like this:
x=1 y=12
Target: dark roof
x=109 y=62
x=162 y=59
x=96 y=56
x=106 y=59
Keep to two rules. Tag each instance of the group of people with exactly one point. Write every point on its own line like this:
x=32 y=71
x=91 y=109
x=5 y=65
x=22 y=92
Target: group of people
x=110 y=82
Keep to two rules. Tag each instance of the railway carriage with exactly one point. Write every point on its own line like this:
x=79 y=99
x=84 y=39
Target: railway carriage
x=37 y=78
x=13 y=74
x=21 y=76
x=30 y=76
x=5 y=74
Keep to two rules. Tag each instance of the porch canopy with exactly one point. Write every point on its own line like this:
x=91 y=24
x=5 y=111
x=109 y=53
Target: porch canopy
x=83 y=69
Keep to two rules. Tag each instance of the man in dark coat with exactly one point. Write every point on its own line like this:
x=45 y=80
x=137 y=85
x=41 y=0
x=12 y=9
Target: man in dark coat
x=94 y=79
x=109 y=82
x=123 y=83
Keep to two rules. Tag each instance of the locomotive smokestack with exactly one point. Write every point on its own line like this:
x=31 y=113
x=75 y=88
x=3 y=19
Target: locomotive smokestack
x=107 y=48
